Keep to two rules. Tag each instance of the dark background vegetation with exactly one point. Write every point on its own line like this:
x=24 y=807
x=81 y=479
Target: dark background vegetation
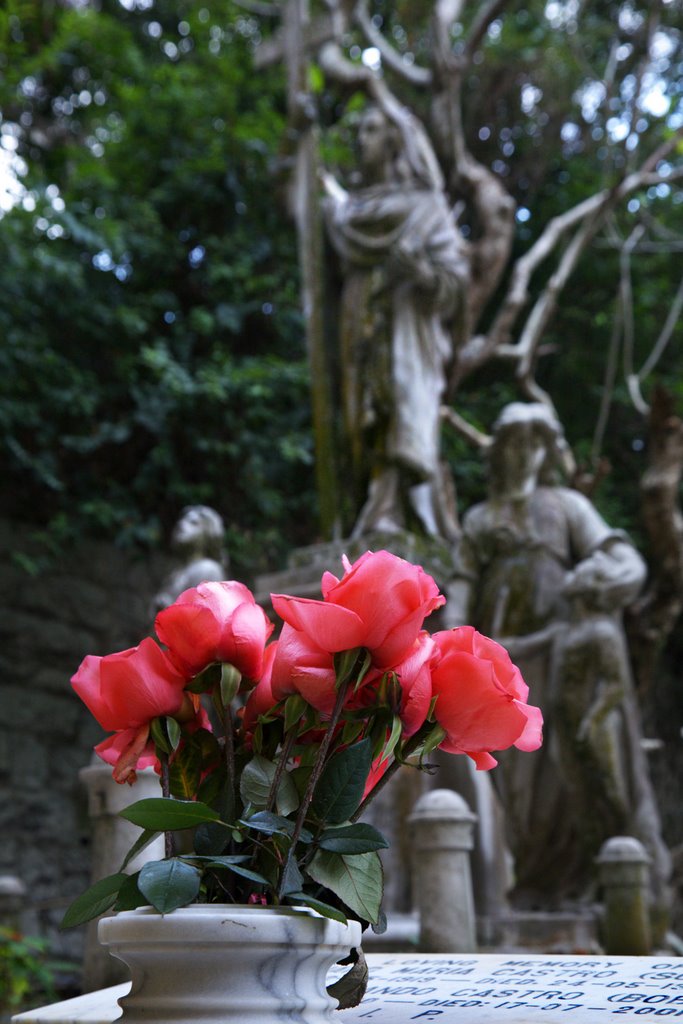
x=152 y=342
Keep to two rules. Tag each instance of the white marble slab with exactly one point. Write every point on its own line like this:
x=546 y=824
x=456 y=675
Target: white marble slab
x=486 y=989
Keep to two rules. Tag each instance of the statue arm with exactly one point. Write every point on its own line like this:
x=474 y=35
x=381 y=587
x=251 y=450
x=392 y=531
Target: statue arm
x=611 y=576
x=607 y=562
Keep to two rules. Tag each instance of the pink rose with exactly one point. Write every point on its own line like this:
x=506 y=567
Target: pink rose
x=130 y=688
x=124 y=692
x=380 y=603
x=215 y=622
x=415 y=676
x=261 y=699
x=481 y=697
x=128 y=751
x=302 y=667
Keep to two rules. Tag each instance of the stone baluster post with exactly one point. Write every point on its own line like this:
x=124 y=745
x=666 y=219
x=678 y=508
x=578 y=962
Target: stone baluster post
x=112 y=837
x=624 y=878
x=12 y=900
x=443 y=825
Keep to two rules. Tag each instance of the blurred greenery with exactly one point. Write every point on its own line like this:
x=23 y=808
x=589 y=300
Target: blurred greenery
x=153 y=351
x=29 y=974
x=153 y=347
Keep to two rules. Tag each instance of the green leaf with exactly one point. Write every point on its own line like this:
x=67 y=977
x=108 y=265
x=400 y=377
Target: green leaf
x=185 y=772
x=295 y=707
x=230 y=683
x=287 y=796
x=351 y=987
x=432 y=741
x=94 y=901
x=205 y=681
x=352 y=729
x=231 y=864
x=345 y=664
x=323 y=908
x=257 y=778
x=173 y=731
x=292 y=880
x=130 y=897
x=356 y=880
x=211 y=786
x=158 y=734
x=379 y=927
x=169 y=884
x=340 y=789
x=166 y=815
x=274 y=824
x=143 y=840
x=353 y=839
x=385 y=746
x=211 y=838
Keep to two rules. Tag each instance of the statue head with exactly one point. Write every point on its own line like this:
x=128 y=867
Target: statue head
x=199 y=531
x=378 y=143
x=393 y=146
x=527 y=442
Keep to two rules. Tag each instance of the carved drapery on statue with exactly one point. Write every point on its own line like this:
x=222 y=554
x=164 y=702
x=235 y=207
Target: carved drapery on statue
x=540 y=569
x=404 y=274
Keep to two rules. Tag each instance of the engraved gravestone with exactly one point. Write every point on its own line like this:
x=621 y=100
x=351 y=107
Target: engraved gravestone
x=487 y=989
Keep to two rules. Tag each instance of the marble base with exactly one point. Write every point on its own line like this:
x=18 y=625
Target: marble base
x=207 y=964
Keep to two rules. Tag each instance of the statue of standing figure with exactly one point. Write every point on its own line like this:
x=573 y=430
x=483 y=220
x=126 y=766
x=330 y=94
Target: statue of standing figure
x=541 y=570
x=405 y=270
x=197 y=539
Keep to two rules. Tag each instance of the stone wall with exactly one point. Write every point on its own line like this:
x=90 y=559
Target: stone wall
x=94 y=601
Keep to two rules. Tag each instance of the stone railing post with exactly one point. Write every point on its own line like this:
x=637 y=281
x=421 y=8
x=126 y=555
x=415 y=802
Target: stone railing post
x=442 y=883
x=12 y=900
x=623 y=865
x=112 y=837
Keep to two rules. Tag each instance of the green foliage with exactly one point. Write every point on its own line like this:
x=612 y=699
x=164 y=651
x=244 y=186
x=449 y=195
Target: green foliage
x=28 y=972
x=295 y=855
x=153 y=347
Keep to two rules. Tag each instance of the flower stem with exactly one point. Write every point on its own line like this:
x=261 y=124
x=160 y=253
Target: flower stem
x=229 y=754
x=410 y=747
x=317 y=769
x=285 y=753
x=169 y=843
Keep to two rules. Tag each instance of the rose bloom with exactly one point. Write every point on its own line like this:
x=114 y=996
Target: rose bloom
x=380 y=603
x=261 y=700
x=215 y=622
x=124 y=692
x=301 y=666
x=481 y=698
x=414 y=678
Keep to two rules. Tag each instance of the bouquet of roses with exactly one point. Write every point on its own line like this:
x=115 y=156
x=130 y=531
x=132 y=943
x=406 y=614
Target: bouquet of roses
x=270 y=752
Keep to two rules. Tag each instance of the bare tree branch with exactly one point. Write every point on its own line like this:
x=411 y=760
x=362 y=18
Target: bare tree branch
x=607 y=389
x=260 y=8
x=481 y=25
x=626 y=299
x=466 y=430
x=588 y=215
x=665 y=335
x=390 y=56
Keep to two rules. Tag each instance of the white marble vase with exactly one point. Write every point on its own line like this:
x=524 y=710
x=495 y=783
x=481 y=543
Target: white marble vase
x=234 y=964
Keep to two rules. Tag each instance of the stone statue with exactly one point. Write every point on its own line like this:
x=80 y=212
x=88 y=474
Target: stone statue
x=405 y=271
x=540 y=569
x=197 y=539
